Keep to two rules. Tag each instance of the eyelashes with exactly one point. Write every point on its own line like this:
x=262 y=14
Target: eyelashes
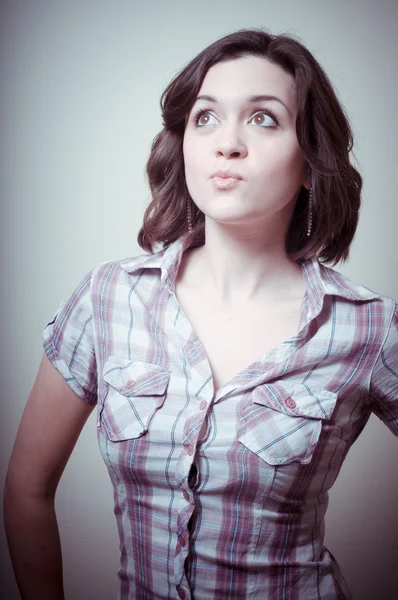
x=265 y=111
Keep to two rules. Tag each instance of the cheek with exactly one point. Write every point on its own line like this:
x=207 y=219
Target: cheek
x=194 y=156
x=188 y=151
x=282 y=160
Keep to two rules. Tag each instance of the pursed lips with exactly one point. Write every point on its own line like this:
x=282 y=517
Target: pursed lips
x=227 y=174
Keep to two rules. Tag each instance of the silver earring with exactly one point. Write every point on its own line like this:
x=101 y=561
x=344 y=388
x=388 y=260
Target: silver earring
x=310 y=213
x=189 y=217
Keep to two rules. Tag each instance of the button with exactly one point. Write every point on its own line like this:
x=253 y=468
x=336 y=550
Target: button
x=181 y=593
x=290 y=403
x=130 y=384
x=190 y=449
x=181 y=539
x=203 y=405
x=186 y=495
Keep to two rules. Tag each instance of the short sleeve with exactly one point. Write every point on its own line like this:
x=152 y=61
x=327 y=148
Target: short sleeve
x=68 y=341
x=384 y=380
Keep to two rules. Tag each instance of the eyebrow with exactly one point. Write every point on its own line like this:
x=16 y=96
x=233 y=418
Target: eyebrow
x=251 y=99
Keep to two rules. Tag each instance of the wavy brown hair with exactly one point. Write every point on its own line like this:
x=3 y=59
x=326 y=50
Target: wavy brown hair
x=323 y=132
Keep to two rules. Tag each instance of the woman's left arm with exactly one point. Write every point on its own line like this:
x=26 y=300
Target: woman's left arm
x=383 y=391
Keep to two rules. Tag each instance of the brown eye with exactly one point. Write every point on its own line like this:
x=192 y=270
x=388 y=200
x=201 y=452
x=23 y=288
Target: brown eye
x=259 y=118
x=203 y=119
x=197 y=118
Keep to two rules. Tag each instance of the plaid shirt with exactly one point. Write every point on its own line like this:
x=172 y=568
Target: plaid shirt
x=240 y=512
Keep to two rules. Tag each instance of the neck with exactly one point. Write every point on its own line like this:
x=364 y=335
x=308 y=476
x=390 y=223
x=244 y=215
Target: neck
x=238 y=266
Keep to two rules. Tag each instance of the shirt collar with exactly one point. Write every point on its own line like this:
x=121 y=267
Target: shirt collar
x=324 y=281
x=320 y=279
x=168 y=259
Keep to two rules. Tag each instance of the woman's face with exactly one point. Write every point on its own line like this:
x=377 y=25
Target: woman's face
x=256 y=139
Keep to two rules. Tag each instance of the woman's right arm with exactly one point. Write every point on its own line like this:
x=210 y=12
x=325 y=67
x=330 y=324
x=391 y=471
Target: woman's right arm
x=50 y=426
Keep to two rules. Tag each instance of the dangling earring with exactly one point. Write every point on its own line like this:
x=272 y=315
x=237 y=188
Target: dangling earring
x=310 y=213
x=189 y=218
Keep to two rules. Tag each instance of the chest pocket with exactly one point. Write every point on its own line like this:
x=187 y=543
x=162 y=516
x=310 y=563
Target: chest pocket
x=136 y=390
x=282 y=422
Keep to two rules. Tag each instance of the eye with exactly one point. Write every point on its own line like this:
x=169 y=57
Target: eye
x=265 y=113
x=197 y=118
x=198 y=115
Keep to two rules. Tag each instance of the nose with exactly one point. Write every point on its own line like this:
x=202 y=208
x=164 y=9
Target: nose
x=229 y=144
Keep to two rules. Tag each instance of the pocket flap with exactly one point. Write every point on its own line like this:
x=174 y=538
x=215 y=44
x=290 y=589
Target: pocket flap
x=137 y=390
x=296 y=400
x=283 y=422
x=134 y=377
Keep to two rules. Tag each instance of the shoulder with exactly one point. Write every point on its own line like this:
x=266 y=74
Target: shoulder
x=345 y=287
x=359 y=309
x=114 y=278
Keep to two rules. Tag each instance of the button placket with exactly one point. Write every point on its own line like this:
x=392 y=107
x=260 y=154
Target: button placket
x=181 y=593
x=190 y=449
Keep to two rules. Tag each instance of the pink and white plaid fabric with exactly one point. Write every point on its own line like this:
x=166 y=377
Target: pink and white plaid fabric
x=239 y=513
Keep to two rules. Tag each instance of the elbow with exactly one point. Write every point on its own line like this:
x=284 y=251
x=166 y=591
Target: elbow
x=18 y=490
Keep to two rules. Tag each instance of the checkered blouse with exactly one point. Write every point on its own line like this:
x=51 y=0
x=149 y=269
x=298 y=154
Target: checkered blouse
x=239 y=513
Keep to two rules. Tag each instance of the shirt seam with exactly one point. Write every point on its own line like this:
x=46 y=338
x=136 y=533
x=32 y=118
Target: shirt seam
x=388 y=329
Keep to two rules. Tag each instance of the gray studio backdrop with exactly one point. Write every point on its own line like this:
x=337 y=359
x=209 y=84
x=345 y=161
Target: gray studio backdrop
x=79 y=96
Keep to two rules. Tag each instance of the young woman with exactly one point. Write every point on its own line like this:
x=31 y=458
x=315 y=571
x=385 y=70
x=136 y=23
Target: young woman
x=231 y=369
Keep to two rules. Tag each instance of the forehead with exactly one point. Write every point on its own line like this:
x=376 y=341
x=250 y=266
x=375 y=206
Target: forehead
x=248 y=75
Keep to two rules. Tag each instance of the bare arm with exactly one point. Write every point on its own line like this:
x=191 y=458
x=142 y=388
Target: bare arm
x=51 y=423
